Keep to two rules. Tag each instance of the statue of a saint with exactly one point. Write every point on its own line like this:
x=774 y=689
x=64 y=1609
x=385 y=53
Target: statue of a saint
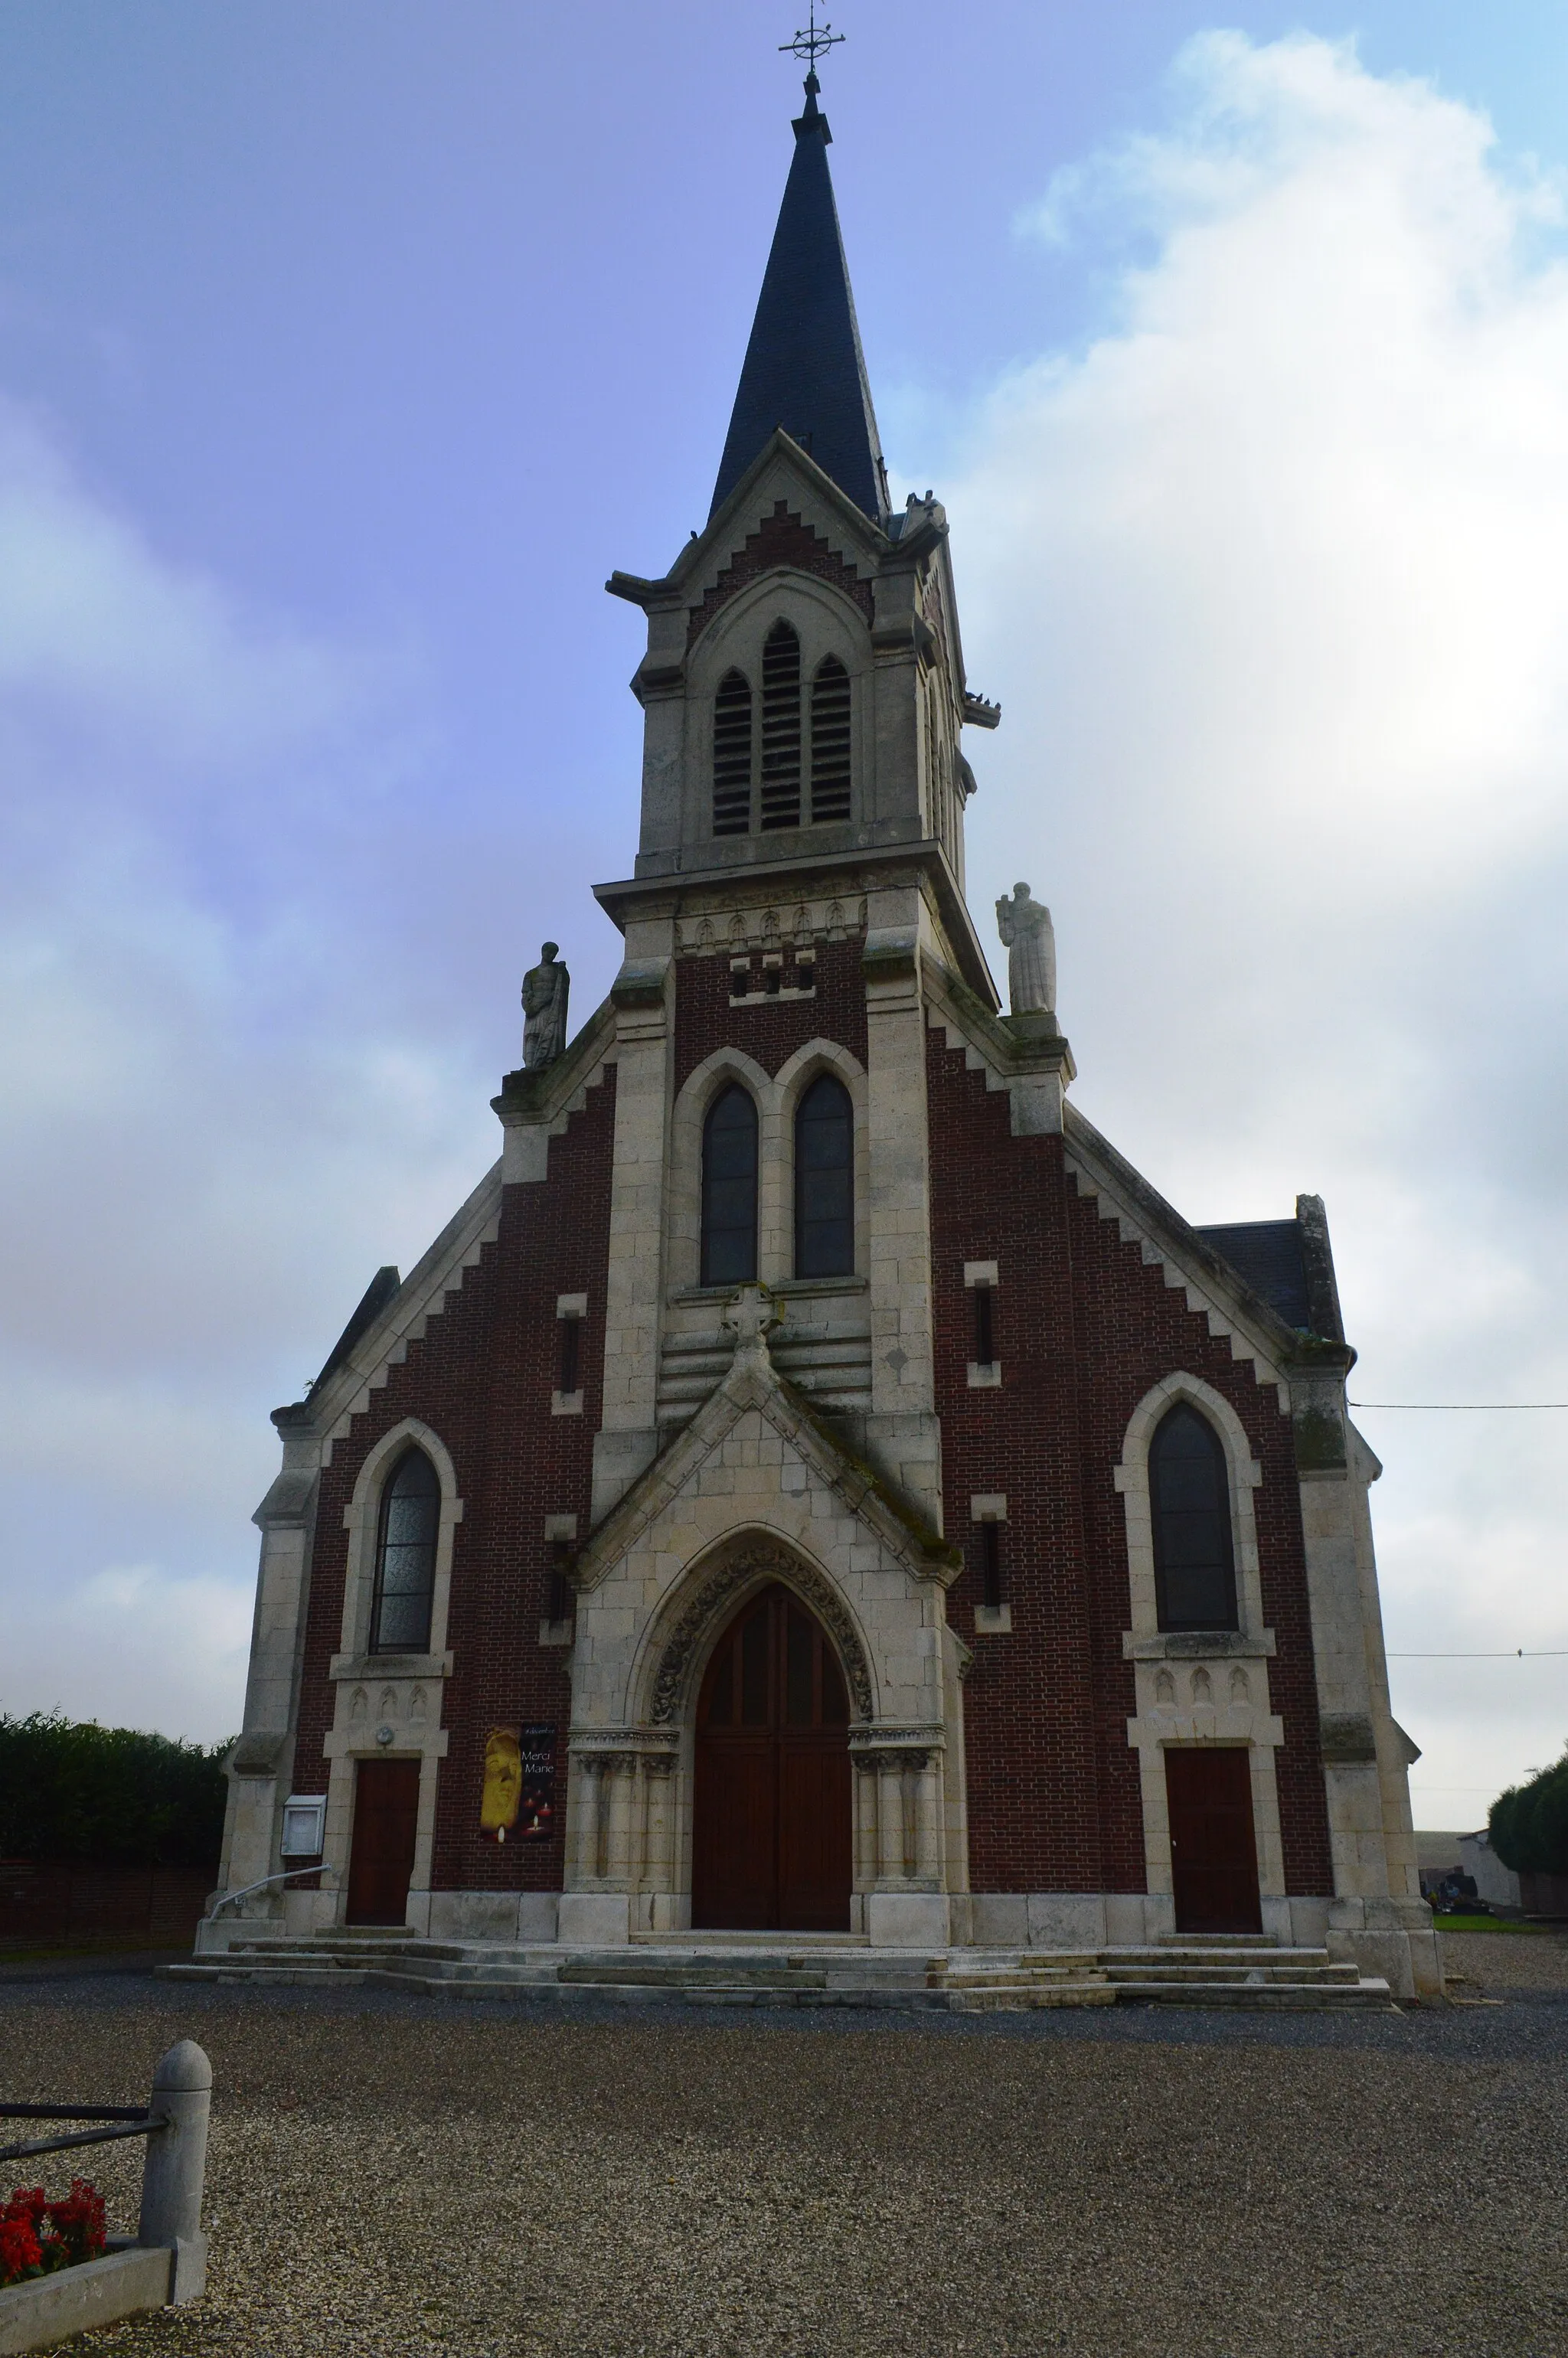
x=544 y=989
x=1030 y=940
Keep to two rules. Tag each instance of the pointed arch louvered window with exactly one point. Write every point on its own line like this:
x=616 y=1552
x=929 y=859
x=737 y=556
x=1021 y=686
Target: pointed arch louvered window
x=732 y=755
x=780 y=728
x=829 y=742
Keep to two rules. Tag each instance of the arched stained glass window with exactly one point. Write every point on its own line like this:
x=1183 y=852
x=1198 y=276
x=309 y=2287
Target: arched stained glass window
x=1189 y=1494
x=825 y=1181
x=729 y=1189
x=732 y=755
x=405 y=1556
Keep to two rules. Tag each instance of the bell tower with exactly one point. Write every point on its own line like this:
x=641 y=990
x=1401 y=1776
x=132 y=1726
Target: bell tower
x=803 y=685
x=802 y=840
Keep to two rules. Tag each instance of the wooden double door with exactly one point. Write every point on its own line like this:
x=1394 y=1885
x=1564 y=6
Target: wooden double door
x=772 y=1835
x=1214 y=1845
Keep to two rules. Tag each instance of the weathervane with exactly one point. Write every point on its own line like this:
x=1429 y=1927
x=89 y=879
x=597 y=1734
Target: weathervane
x=813 y=43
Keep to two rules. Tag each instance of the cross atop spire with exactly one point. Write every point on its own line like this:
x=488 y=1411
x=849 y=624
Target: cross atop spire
x=804 y=368
x=812 y=45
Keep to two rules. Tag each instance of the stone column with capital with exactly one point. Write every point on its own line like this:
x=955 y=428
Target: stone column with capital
x=658 y=1842
x=585 y=1851
x=927 y=1820
x=621 y=1771
x=865 y=1770
x=891 y=1853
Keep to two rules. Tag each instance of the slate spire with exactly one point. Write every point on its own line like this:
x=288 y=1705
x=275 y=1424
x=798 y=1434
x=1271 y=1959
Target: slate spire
x=804 y=369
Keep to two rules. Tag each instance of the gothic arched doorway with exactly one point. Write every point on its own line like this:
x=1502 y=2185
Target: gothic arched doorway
x=771 y=1845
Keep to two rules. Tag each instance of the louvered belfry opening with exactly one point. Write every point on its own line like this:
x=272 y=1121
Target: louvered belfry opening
x=829 y=742
x=780 y=728
x=732 y=755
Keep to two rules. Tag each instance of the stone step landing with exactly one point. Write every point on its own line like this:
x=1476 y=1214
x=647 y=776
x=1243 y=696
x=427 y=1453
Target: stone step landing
x=801 y=1971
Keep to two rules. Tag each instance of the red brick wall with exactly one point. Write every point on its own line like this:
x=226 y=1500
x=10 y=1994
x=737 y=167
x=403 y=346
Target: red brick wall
x=482 y=1378
x=1083 y=1330
x=770 y=1030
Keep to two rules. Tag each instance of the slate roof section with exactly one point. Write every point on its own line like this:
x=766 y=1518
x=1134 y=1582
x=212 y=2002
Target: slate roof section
x=376 y=1295
x=804 y=368
x=1268 y=1254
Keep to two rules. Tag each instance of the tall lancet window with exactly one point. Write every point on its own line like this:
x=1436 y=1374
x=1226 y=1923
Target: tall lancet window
x=780 y=728
x=829 y=742
x=1194 y=1565
x=405 y=1556
x=825 y=1181
x=729 y=1189
x=732 y=755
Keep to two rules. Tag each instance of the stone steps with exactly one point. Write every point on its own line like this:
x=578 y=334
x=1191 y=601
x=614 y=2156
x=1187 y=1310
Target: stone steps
x=1168 y=1963
x=764 y=1970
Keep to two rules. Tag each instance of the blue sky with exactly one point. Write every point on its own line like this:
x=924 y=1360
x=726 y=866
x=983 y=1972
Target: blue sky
x=344 y=352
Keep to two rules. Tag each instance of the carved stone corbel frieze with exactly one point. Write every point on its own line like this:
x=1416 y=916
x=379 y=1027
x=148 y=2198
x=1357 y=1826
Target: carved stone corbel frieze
x=736 y=1573
x=871 y=1746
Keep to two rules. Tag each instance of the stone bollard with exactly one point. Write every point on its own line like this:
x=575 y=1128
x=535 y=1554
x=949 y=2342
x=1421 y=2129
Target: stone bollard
x=175 y=2167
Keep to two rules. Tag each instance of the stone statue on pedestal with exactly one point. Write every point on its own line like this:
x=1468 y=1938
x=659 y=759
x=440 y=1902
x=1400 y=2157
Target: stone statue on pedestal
x=1030 y=941
x=544 y=989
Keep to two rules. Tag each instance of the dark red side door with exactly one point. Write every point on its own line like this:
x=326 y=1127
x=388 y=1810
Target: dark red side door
x=1214 y=1849
x=381 y=1862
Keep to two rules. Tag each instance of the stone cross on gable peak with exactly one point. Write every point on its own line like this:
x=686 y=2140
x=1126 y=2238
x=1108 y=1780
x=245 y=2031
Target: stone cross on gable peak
x=751 y=1316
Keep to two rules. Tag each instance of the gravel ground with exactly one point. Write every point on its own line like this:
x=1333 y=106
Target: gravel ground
x=400 y=2177
x=1508 y=1960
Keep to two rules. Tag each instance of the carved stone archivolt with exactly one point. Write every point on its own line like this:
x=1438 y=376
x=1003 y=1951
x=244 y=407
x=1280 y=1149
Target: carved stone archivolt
x=748 y=1568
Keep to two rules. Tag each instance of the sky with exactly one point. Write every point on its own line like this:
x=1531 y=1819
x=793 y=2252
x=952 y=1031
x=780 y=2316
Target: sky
x=344 y=352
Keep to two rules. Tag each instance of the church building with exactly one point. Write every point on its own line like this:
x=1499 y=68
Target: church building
x=815 y=1486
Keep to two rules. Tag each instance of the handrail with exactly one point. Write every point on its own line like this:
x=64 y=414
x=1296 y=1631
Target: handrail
x=145 y=2124
x=286 y=1876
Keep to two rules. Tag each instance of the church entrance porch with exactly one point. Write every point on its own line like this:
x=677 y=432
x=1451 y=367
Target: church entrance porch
x=381 y=1862
x=771 y=1835
x=1214 y=1848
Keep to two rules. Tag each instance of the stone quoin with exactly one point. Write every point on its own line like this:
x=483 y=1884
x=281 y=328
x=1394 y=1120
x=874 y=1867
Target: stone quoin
x=831 y=1487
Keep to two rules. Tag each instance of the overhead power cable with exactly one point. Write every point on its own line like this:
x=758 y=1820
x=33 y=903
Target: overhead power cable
x=1488 y=1407
x=1511 y=1654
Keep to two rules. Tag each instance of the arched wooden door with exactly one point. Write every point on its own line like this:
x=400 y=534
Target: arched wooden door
x=770 y=1838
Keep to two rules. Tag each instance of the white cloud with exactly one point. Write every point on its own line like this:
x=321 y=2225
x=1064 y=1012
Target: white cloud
x=1268 y=576
x=177 y=1649
x=95 y=620
x=223 y=1102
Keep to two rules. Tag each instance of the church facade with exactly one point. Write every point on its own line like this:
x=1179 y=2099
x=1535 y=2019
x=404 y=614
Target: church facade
x=814 y=1483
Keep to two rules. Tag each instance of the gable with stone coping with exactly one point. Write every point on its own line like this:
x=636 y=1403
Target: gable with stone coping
x=441 y=1271
x=754 y=1385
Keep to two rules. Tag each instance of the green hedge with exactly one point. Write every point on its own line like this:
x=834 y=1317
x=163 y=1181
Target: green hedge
x=72 y=1790
x=1529 y=1823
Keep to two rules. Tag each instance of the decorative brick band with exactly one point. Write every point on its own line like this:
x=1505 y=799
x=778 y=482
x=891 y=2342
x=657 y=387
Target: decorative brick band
x=781 y=539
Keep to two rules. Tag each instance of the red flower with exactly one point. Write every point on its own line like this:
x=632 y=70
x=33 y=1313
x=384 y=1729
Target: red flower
x=20 y=2252
x=77 y=2223
x=37 y=2236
